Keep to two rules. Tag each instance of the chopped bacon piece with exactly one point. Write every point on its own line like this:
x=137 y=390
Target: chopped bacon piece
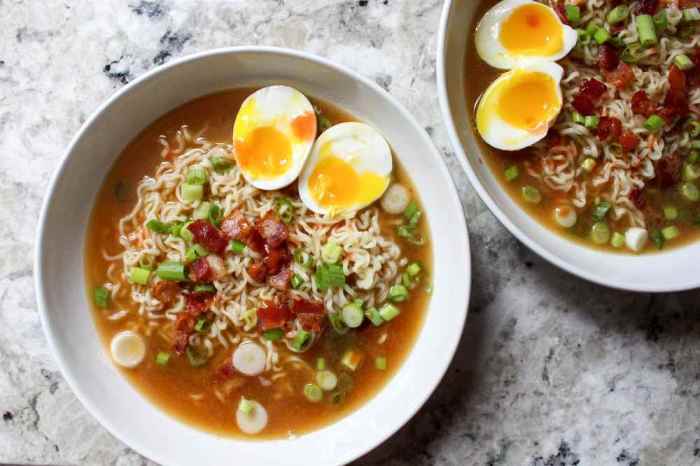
x=273 y=231
x=609 y=127
x=668 y=170
x=236 y=226
x=166 y=292
x=197 y=303
x=607 y=57
x=217 y=266
x=273 y=315
x=200 y=271
x=553 y=139
x=593 y=88
x=224 y=372
x=258 y=271
x=209 y=236
x=676 y=101
x=311 y=322
x=280 y=280
x=304 y=306
x=560 y=9
x=276 y=259
x=642 y=104
x=620 y=77
x=693 y=75
x=256 y=242
x=583 y=104
x=629 y=141
x=647 y=7
x=688 y=3
x=637 y=198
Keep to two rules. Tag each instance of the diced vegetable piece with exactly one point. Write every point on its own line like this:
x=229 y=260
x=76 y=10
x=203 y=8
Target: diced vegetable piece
x=565 y=216
x=251 y=417
x=691 y=171
x=601 y=36
x=285 y=209
x=337 y=323
x=694 y=128
x=221 y=164
x=657 y=238
x=389 y=311
x=600 y=211
x=512 y=173
x=194 y=252
x=691 y=14
x=588 y=164
x=351 y=359
x=646 y=30
x=395 y=200
x=201 y=325
x=202 y=211
x=591 y=28
x=326 y=380
x=157 y=226
x=591 y=121
x=578 y=118
x=331 y=252
x=661 y=20
x=618 y=240
x=670 y=212
x=162 y=358
x=413 y=269
x=313 y=392
x=204 y=288
x=171 y=270
x=373 y=315
x=618 y=14
x=195 y=357
x=175 y=227
x=531 y=194
x=636 y=238
x=215 y=214
x=683 y=62
x=101 y=297
x=690 y=191
x=329 y=276
x=380 y=363
x=196 y=175
x=300 y=340
x=296 y=281
x=320 y=364
x=398 y=293
x=654 y=123
x=185 y=233
x=573 y=13
x=273 y=334
x=412 y=213
x=352 y=314
x=237 y=247
x=600 y=233
x=139 y=275
x=245 y=406
x=192 y=192
x=670 y=232
x=583 y=36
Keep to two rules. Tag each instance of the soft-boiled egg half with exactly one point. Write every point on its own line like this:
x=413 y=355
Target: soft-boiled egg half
x=519 y=107
x=273 y=134
x=521 y=31
x=349 y=168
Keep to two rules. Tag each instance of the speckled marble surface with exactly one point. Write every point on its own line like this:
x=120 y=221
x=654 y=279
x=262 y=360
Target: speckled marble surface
x=551 y=370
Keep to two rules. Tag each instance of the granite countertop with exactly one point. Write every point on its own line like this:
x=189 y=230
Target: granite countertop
x=551 y=370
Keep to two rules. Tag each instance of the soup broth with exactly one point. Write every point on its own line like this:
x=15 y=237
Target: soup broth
x=209 y=396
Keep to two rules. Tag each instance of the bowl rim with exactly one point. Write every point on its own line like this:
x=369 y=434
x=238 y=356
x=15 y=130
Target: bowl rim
x=452 y=132
x=42 y=306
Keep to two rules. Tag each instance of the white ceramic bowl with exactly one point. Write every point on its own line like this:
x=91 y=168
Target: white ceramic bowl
x=60 y=277
x=666 y=271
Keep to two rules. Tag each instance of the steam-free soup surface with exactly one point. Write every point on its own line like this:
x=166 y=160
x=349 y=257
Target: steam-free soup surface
x=201 y=396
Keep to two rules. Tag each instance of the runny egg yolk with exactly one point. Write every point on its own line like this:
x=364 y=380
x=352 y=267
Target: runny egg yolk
x=528 y=100
x=265 y=152
x=532 y=29
x=336 y=185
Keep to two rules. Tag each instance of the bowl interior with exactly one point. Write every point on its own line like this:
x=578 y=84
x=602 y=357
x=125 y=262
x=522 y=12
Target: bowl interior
x=60 y=275
x=667 y=271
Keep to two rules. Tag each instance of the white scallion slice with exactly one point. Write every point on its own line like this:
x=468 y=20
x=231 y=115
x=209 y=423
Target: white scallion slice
x=395 y=199
x=128 y=349
x=249 y=358
x=251 y=417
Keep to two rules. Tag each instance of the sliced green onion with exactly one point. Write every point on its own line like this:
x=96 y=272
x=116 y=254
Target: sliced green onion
x=352 y=314
x=329 y=276
x=162 y=358
x=196 y=175
x=202 y=211
x=646 y=30
x=195 y=357
x=512 y=173
x=531 y=194
x=691 y=171
x=331 y=252
x=204 y=288
x=618 y=240
x=591 y=28
x=691 y=14
x=690 y=191
x=245 y=406
x=380 y=363
x=171 y=270
x=237 y=247
x=591 y=121
x=284 y=208
x=327 y=380
x=273 y=334
x=413 y=269
x=102 y=297
x=583 y=36
x=412 y=213
x=192 y=192
x=175 y=228
x=195 y=252
x=157 y=226
x=221 y=164
x=694 y=128
x=657 y=238
x=670 y=213
x=320 y=364
x=337 y=323
x=588 y=164
x=601 y=36
x=670 y=232
x=618 y=14
x=578 y=118
x=617 y=42
x=600 y=211
x=373 y=315
x=600 y=233
x=661 y=20
x=215 y=214
x=351 y=360
x=695 y=145
x=185 y=232
x=300 y=340
x=654 y=123
x=313 y=392
x=683 y=62
x=398 y=293
x=573 y=13
x=201 y=325
x=296 y=281
x=389 y=312
x=139 y=275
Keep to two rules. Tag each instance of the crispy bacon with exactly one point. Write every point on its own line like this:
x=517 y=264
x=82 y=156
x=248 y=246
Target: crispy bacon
x=257 y=271
x=642 y=104
x=209 y=236
x=629 y=141
x=607 y=57
x=676 y=101
x=276 y=259
x=273 y=315
x=593 y=88
x=560 y=9
x=609 y=128
x=310 y=314
x=647 y=7
x=693 y=75
x=166 y=292
x=224 y=372
x=621 y=77
x=256 y=242
x=273 y=231
x=668 y=170
x=583 y=104
x=196 y=304
x=311 y=322
x=280 y=280
x=236 y=226
x=200 y=271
